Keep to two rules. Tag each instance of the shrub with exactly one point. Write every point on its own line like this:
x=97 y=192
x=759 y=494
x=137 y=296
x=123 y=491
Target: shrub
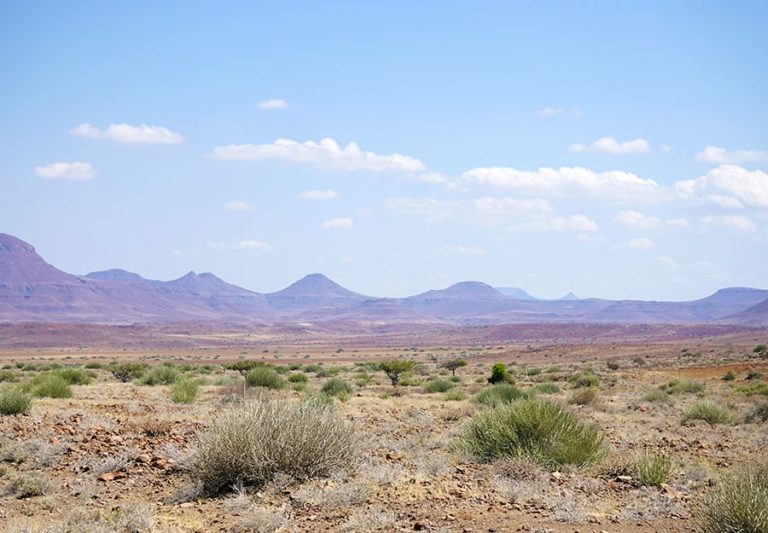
x=94 y=365
x=245 y=366
x=677 y=386
x=394 y=368
x=546 y=388
x=659 y=395
x=337 y=387
x=499 y=394
x=756 y=387
x=753 y=375
x=612 y=365
x=455 y=395
x=652 y=469
x=639 y=361
x=583 y=396
x=185 y=391
x=758 y=414
x=761 y=348
x=584 y=379
x=739 y=503
x=298 y=377
x=161 y=375
x=8 y=376
x=707 y=410
x=75 y=376
x=28 y=485
x=499 y=374
x=250 y=444
x=264 y=377
x=437 y=385
x=48 y=386
x=362 y=379
x=14 y=401
x=533 y=428
x=454 y=364
x=533 y=371
x=126 y=372
x=729 y=376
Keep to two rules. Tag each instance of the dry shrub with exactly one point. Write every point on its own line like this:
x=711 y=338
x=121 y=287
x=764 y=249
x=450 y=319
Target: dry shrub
x=738 y=503
x=250 y=444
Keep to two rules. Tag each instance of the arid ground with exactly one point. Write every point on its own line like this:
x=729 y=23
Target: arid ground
x=119 y=456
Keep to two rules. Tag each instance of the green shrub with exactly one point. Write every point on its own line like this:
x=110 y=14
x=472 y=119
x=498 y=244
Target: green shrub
x=437 y=385
x=94 y=366
x=495 y=395
x=455 y=395
x=126 y=372
x=678 y=386
x=14 y=401
x=583 y=396
x=264 y=377
x=48 y=385
x=739 y=503
x=553 y=369
x=707 y=410
x=652 y=469
x=546 y=388
x=499 y=375
x=761 y=348
x=756 y=387
x=533 y=371
x=337 y=387
x=729 y=376
x=245 y=366
x=250 y=444
x=185 y=391
x=8 y=376
x=298 y=377
x=362 y=379
x=584 y=379
x=533 y=428
x=660 y=396
x=75 y=376
x=613 y=365
x=161 y=375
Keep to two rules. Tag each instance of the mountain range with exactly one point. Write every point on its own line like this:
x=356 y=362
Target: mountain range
x=31 y=290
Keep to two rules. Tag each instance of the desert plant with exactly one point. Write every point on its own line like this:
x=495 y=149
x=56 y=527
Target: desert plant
x=245 y=366
x=455 y=395
x=499 y=374
x=454 y=364
x=729 y=376
x=613 y=365
x=753 y=375
x=298 y=377
x=533 y=371
x=739 y=503
x=161 y=375
x=658 y=395
x=755 y=387
x=250 y=444
x=264 y=376
x=583 y=396
x=438 y=385
x=707 y=410
x=546 y=388
x=28 y=485
x=14 y=401
x=126 y=372
x=395 y=368
x=495 y=395
x=652 y=469
x=678 y=386
x=337 y=387
x=185 y=391
x=8 y=376
x=47 y=385
x=533 y=428
x=758 y=414
x=75 y=376
x=761 y=348
x=584 y=379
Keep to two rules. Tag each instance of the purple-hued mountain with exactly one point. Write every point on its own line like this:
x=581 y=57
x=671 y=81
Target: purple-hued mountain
x=33 y=290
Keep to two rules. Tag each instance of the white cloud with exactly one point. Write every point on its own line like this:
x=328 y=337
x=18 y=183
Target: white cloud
x=567 y=181
x=636 y=220
x=720 y=156
x=238 y=206
x=512 y=214
x=610 y=145
x=248 y=244
x=339 y=223
x=680 y=223
x=428 y=177
x=668 y=263
x=65 y=170
x=128 y=134
x=548 y=112
x=640 y=243
x=326 y=154
x=461 y=250
x=729 y=222
x=326 y=194
x=273 y=103
x=728 y=186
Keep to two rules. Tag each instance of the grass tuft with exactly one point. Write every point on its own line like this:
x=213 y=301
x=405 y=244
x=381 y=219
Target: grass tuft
x=14 y=401
x=652 y=469
x=707 y=410
x=499 y=394
x=739 y=503
x=266 y=377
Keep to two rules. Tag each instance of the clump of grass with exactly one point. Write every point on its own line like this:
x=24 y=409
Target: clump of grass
x=753 y=375
x=438 y=385
x=499 y=394
x=337 y=387
x=584 y=379
x=613 y=365
x=185 y=391
x=161 y=375
x=707 y=410
x=652 y=469
x=658 y=396
x=298 y=377
x=75 y=376
x=583 y=396
x=455 y=395
x=756 y=387
x=758 y=414
x=264 y=376
x=738 y=503
x=533 y=428
x=250 y=444
x=93 y=365
x=8 y=376
x=14 y=401
x=28 y=485
x=678 y=386
x=47 y=385
x=546 y=388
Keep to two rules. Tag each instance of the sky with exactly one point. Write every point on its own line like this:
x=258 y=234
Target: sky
x=613 y=149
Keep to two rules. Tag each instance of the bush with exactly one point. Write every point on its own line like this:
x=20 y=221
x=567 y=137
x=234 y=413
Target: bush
x=250 y=444
x=8 y=376
x=298 y=377
x=584 y=379
x=756 y=387
x=677 y=386
x=658 y=395
x=533 y=428
x=48 y=386
x=652 y=469
x=14 y=401
x=75 y=376
x=499 y=394
x=546 y=388
x=753 y=375
x=454 y=364
x=455 y=395
x=729 y=376
x=94 y=365
x=161 y=375
x=707 y=410
x=612 y=365
x=128 y=371
x=758 y=414
x=739 y=503
x=583 y=396
x=761 y=348
x=394 y=368
x=499 y=375
x=437 y=385
x=245 y=366
x=185 y=391
x=337 y=387
x=264 y=377
x=533 y=371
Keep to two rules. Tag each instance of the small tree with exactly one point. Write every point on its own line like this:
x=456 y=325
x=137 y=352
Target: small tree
x=395 y=367
x=128 y=371
x=454 y=364
x=499 y=375
x=762 y=349
x=244 y=366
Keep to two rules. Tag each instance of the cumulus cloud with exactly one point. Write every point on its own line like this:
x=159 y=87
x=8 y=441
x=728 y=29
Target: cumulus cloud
x=273 y=103
x=326 y=194
x=549 y=112
x=66 y=170
x=461 y=250
x=238 y=206
x=248 y=244
x=729 y=222
x=428 y=177
x=129 y=134
x=339 y=223
x=720 y=156
x=729 y=186
x=680 y=223
x=610 y=145
x=668 y=263
x=567 y=181
x=636 y=220
x=640 y=243
x=326 y=154
x=507 y=213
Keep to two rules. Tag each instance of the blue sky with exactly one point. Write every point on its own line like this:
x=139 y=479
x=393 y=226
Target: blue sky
x=613 y=149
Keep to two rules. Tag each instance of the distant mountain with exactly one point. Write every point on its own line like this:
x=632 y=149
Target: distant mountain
x=311 y=292
x=514 y=292
x=569 y=296
x=115 y=274
x=757 y=315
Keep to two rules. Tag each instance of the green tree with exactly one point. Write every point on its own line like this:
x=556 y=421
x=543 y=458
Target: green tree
x=454 y=364
x=395 y=367
x=499 y=375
